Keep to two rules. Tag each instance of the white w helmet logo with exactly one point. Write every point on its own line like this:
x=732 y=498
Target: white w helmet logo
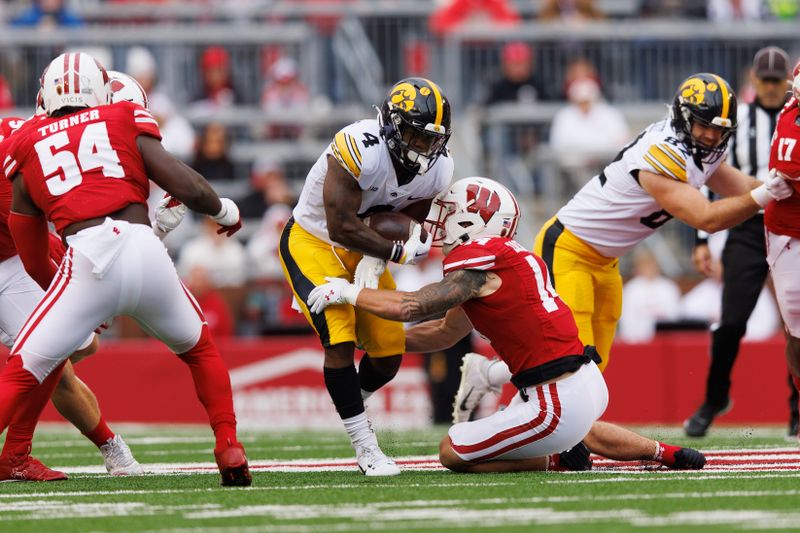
x=74 y=80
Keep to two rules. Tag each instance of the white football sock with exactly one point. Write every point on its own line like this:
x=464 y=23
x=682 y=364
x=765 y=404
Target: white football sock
x=497 y=373
x=360 y=430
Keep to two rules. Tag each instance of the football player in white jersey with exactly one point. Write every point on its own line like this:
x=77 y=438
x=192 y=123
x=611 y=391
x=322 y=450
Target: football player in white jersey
x=397 y=162
x=653 y=179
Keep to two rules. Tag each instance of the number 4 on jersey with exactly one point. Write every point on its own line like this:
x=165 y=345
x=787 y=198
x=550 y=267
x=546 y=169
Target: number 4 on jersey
x=369 y=140
x=94 y=151
x=785 y=147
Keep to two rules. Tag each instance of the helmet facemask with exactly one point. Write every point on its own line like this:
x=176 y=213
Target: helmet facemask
x=415 y=146
x=706 y=154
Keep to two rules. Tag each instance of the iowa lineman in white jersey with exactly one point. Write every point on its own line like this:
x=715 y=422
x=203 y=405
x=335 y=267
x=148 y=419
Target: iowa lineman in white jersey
x=652 y=180
x=397 y=162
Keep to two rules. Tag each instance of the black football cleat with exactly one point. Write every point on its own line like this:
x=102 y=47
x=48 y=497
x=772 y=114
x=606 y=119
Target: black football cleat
x=697 y=425
x=688 y=459
x=576 y=459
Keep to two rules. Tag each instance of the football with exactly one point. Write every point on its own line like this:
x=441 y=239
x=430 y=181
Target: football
x=393 y=226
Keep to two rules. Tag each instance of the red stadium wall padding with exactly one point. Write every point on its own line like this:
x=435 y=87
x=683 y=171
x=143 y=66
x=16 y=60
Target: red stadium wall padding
x=277 y=382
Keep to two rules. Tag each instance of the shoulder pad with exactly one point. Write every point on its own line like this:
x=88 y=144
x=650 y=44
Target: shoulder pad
x=667 y=159
x=356 y=147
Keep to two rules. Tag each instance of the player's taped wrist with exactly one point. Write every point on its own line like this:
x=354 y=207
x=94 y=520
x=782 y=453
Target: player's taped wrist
x=229 y=213
x=761 y=195
x=350 y=294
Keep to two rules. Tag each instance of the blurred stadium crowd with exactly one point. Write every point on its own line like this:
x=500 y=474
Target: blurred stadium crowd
x=249 y=92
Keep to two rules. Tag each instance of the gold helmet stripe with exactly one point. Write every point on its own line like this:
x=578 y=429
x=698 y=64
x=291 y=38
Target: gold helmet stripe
x=439 y=106
x=723 y=86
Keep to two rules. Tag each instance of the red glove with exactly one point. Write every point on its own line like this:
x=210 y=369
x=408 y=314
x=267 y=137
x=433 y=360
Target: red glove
x=56 y=248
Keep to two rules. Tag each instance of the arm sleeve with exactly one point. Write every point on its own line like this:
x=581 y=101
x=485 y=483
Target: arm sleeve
x=31 y=238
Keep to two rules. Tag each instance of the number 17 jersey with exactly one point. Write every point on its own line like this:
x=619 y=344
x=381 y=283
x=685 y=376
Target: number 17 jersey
x=612 y=212
x=83 y=165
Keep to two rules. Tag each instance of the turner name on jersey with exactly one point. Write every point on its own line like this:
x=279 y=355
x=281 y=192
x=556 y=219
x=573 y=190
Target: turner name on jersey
x=612 y=212
x=362 y=152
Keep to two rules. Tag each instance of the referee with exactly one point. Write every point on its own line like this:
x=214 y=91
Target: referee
x=744 y=256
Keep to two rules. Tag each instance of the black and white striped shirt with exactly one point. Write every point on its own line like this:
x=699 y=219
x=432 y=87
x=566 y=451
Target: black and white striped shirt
x=748 y=148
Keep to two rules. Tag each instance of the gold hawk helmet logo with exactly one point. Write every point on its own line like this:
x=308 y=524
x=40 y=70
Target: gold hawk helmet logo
x=403 y=96
x=693 y=91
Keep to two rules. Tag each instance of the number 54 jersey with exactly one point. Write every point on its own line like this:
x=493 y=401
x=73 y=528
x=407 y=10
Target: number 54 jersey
x=84 y=165
x=612 y=212
x=360 y=149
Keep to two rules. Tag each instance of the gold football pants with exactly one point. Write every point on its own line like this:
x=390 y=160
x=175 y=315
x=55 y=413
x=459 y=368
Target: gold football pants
x=306 y=260
x=589 y=283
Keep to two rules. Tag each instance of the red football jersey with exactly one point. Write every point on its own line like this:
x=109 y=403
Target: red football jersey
x=783 y=218
x=8 y=126
x=84 y=165
x=525 y=320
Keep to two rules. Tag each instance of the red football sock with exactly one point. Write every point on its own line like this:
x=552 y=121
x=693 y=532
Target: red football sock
x=101 y=434
x=213 y=386
x=665 y=453
x=22 y=400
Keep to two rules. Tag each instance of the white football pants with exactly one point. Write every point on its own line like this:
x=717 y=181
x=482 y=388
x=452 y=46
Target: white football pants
x=556 y=417
x=116 y=268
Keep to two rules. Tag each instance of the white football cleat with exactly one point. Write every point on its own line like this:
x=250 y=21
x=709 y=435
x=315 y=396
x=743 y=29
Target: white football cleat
x=473 y=387
x=118 y=458
x=373 y=462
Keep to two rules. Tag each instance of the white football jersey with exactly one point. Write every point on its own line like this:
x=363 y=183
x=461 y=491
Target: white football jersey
x=362 y=152
x=612 y=212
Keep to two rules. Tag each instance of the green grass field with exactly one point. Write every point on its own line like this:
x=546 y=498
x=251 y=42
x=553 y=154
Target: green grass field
x=291 y=492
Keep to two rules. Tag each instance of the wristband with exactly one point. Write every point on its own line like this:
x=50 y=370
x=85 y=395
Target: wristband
x=397 y=252
x=761 y=195
x=228 y=214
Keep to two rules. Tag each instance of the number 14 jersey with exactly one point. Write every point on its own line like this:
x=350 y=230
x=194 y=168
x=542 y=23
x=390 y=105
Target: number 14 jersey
x=525 y=320
x=612 y=212
x=84 y=165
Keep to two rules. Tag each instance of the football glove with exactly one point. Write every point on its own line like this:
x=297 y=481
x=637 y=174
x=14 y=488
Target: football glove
x=337 y=291
x=368 y=272
x=169 y=214
x=228 y=218
x=414 y=249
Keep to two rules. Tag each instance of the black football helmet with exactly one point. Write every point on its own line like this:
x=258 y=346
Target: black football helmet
x=415 y=123
x=709 y=100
